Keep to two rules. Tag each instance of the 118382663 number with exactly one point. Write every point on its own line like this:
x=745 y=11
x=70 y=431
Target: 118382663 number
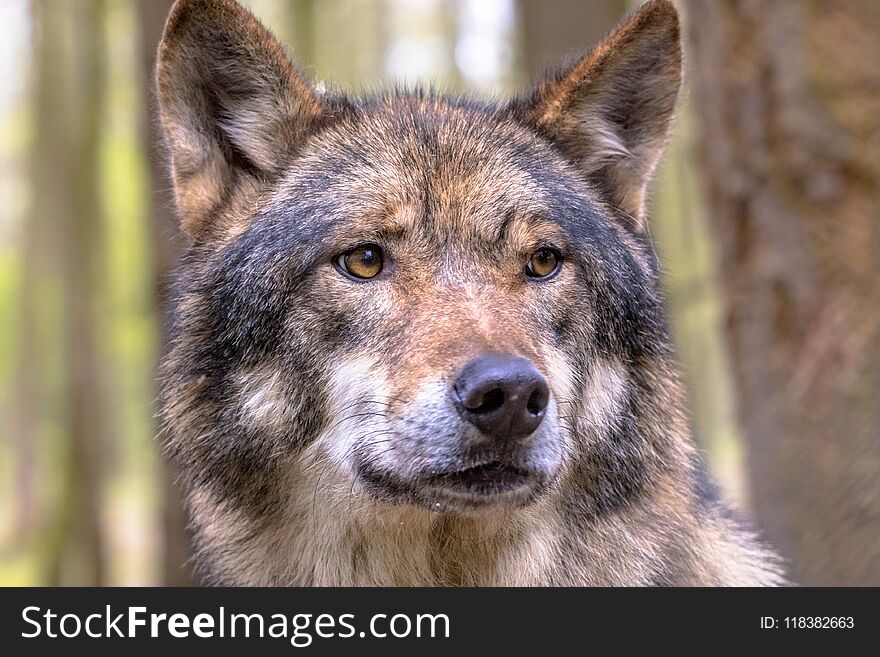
x=818 y=622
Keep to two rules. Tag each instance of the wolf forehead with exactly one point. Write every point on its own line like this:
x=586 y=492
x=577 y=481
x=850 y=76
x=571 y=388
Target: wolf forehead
x=438 y=171
x=418 y=144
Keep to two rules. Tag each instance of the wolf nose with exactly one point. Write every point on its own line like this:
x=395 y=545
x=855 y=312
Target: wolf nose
x=503 y=396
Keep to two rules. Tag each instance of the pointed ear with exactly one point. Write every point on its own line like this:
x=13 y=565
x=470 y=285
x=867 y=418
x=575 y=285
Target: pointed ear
x=611 y=111
x=231 y=104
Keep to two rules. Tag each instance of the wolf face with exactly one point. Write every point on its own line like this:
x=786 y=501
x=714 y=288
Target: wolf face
x=437 y=292
x=408 y=313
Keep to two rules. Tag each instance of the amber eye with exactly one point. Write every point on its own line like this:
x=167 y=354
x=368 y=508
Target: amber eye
x=364 y=261
x=544 y=263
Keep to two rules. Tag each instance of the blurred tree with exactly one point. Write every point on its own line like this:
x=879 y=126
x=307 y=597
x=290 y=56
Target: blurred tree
x=554 y=30
x=790 y=117
x=167 y=245
x=26 y=407
x=302 y=19
x=70 y=56
x=448 y=30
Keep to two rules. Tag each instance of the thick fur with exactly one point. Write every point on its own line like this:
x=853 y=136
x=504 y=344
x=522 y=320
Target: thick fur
x=305 y=408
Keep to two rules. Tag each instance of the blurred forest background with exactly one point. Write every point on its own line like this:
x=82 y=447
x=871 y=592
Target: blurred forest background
x=766 y=214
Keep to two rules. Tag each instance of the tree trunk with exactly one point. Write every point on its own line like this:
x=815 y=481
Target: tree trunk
x=167 y=245
x=47 y=182
x=787 y=96
x=26 y=407
x=67 y=197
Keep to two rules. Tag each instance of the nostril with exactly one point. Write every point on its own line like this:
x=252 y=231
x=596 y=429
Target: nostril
x=489 y=402
x=537 y=403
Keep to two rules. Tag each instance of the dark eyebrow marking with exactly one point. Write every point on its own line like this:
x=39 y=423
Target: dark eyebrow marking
x=531 y=220
x=505 y=226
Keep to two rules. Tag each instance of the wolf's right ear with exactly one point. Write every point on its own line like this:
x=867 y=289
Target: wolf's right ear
x=231 y=104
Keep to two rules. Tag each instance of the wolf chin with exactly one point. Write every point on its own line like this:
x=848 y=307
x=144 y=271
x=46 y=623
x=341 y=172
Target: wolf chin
x=419 y=340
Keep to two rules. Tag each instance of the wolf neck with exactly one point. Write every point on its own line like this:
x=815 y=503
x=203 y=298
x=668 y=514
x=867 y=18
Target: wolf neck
x=382 y=545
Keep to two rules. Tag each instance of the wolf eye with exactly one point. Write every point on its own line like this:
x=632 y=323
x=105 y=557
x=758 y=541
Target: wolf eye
x=364 y=261
x=544 y=263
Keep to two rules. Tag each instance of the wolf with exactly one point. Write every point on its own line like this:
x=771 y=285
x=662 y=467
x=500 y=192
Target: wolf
x=420 y=340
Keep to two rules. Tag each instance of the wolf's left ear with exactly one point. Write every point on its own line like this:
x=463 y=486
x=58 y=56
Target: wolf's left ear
x=612 y=110
x=232 y=105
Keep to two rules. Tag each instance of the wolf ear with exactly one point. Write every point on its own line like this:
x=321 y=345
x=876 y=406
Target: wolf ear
x=612 y=110
x=231 y=104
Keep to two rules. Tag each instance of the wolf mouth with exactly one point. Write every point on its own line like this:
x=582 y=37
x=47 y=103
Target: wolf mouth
x=487 y=479
x=465 y=490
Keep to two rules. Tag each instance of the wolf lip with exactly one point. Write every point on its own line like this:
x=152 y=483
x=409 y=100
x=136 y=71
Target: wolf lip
x=487 y=478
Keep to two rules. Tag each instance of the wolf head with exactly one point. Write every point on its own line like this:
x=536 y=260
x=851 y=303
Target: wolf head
x=430 y=303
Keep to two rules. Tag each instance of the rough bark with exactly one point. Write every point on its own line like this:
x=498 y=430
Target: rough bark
x=787 y=97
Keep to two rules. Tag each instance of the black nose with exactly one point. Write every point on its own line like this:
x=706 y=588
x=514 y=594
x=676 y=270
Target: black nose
x=503 y=396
